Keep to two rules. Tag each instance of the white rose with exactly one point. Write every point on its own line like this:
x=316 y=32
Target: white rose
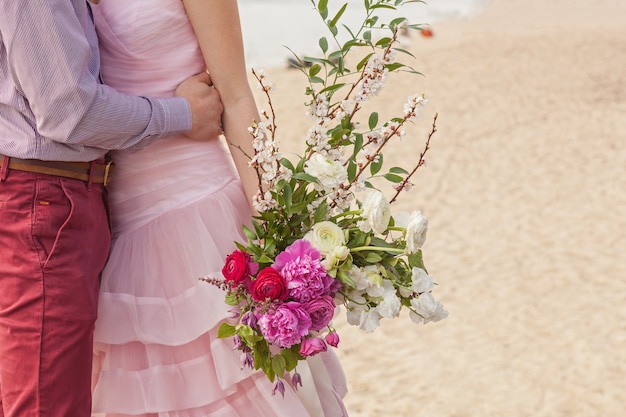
x=325 y=237
x=376 y=212
x=427 y=309
x=416 y=232
x=328 y=172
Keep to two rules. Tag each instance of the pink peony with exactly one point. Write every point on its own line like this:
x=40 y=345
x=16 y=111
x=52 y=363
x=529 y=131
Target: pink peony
x=286 y=325
x=306 y=278
x=321 y=311
x=312 y=346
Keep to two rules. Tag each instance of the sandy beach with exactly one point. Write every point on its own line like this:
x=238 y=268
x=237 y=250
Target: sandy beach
x=525 y=190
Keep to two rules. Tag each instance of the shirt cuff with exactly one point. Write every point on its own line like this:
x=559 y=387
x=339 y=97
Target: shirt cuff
x=177 y=112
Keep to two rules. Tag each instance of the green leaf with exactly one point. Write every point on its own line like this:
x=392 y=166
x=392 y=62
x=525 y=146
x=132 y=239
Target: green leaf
x=320 y=212
x=323 y=42
x=291 y=359
x=316 y=80
x=332 y=87
x=416 y=260
x=373 y=257
x=264 y=259
x=394 y=66
x=249 y=233
x=226 y=330
x=287 y=196
x=376 y=165
x=304 y=177
x=398 y=170
x=279 y=363
x=335 y=19
x=383 y=42
x=314 y=70
x=393 y=178
x=345 y=279
x=373 y=120
x=395 y=22
x=231 y=299
x=363 y=61
x=351 y=170
x=322 y=5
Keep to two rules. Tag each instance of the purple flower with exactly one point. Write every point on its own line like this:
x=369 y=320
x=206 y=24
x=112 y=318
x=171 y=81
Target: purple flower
x=286 y=325
x=306 y=278
x=296 y=380
x=321 y=311
x=247 y=359
x=312 y=346
x=248 y=319
x=332 y=339
x=238 y=342
x=279 y=387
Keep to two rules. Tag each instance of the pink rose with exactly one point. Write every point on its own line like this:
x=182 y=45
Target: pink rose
x=238 y=268
x=332 y=339
x=312 y=346
x=269 y=284
x=321 y=311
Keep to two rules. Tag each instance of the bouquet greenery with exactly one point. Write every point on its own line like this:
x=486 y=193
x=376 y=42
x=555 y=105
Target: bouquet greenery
x=324 y=235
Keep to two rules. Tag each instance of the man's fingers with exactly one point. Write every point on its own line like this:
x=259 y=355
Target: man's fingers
x=204 y=77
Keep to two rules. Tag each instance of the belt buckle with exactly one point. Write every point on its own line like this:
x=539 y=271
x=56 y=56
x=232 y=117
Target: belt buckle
x=107 y=168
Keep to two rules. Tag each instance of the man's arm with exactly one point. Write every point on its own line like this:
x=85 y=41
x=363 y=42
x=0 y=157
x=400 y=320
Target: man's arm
x=50 y=58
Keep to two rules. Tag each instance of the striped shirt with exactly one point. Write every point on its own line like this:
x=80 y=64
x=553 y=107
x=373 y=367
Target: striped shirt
x=52 y=106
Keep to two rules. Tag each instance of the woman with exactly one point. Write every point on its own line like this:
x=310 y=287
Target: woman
x=177 y=207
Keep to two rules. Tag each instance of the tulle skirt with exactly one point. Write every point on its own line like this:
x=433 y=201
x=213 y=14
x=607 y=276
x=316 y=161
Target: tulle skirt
x=178 y=208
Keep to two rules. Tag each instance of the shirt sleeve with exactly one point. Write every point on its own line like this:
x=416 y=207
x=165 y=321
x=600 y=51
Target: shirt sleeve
x=52 y=65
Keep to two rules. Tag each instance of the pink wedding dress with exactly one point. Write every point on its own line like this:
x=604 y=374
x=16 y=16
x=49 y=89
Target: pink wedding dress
x=177 y=208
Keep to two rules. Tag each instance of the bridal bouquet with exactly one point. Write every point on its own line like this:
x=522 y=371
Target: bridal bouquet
x=325 y=236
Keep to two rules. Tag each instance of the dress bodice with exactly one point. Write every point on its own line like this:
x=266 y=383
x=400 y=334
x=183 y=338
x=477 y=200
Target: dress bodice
x=147 y=47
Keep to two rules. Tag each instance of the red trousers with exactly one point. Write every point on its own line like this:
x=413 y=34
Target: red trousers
x=54 y=241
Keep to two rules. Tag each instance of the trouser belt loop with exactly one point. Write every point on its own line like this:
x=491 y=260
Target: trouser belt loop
x=4 y=168
x=92 y=169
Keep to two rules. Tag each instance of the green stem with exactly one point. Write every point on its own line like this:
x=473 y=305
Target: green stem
x=376 y=248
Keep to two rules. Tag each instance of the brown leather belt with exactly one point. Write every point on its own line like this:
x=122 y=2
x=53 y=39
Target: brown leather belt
x=98 y=172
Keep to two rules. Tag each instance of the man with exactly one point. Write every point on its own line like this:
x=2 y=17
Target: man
x=56 y=124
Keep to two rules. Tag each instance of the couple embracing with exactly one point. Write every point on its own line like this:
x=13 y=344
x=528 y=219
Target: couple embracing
x=101 y=309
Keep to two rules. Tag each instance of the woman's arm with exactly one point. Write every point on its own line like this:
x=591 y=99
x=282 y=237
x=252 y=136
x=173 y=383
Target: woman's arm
x=218 y=28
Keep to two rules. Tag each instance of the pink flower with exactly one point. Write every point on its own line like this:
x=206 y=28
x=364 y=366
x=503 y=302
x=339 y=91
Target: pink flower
x=312 y=346
x=332 y=339
x=297 y=249
x=286 y=325
x=321 y=311
x=306 y=278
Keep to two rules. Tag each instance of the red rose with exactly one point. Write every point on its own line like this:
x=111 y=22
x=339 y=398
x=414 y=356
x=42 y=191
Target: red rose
x=269 y=284
x=236 y=270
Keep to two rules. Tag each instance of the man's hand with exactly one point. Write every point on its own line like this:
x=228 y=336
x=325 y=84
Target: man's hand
x=206 y=106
